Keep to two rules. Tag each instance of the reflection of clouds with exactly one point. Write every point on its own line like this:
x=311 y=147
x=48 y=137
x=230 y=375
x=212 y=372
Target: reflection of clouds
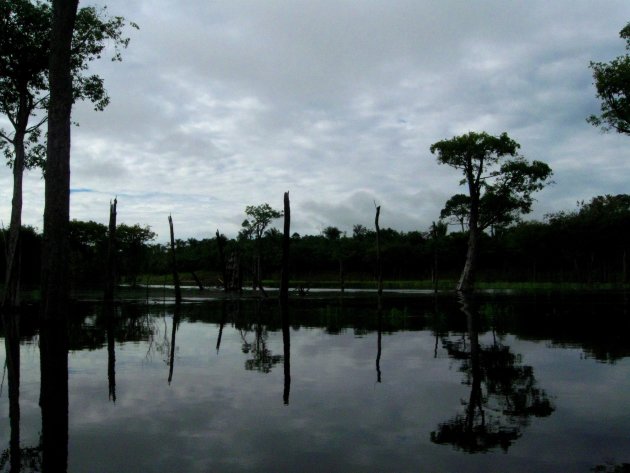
x=216 y=415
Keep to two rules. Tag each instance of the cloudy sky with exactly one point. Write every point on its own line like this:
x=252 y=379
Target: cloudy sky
x=222 y=104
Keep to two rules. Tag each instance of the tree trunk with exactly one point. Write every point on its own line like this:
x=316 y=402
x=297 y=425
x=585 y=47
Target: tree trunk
x=110 y=281
x=11 y=296
x=286 y=241
x=222 y=262
x=467 y=278
x=55 y=250
x=178 y=291
x=379 y=270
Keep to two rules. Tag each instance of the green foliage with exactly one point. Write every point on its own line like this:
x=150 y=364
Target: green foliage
x=612 y=81
x=25 y=27
x=499 y=190
x=259 y=218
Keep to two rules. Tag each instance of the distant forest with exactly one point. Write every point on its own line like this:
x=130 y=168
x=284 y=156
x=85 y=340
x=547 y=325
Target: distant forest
x=587 y=245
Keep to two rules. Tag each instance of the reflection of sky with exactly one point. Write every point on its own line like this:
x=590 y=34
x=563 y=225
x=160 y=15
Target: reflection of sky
x=216 y=416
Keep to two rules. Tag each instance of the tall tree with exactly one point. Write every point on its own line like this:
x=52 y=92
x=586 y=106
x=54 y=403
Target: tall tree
x=612 y=81
x=259 y=218
x=54 y=336
x=499 y=188
x=25 y=45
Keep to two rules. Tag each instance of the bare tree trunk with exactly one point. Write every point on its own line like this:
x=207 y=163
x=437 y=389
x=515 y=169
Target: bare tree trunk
x=286 y=242
x=178 y=290
x=224 y=271
x=379 y=270
x=110 y=281
x=55 y=250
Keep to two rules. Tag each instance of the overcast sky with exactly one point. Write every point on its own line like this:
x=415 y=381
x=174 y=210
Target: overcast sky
x=222 y=104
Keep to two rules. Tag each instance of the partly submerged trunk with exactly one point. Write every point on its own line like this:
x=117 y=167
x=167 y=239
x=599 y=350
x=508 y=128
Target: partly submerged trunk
x=55 y=249
x=467 y=279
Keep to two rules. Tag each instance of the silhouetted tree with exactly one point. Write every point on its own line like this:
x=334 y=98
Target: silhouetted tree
x=612 y=81
x=25 y=91
x=499 y=191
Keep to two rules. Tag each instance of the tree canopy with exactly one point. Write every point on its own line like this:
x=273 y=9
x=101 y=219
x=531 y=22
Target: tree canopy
x=500 y=185
x=612 y=81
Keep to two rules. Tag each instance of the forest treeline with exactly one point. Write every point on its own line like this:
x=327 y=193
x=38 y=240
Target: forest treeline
x=588 y=245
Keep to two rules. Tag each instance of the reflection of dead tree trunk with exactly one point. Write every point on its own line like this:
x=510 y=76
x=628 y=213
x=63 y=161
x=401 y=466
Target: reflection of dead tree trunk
x=171 y=362
x=110 y=277
x=178 y=291
x=379 y=345
x=110 y=317
x=11 y=321
x=286 y=344
x=286 y=240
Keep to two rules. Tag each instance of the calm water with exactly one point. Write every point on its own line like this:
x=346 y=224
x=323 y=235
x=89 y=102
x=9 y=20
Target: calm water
x=504 y=383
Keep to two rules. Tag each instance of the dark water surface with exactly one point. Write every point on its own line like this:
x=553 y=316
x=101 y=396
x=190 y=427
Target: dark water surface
x=500 y=383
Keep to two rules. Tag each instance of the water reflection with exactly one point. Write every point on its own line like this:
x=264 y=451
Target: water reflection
x=53 y=347
x=11 y=324
x=495 y=416
x=286 y=349
x=336 y=417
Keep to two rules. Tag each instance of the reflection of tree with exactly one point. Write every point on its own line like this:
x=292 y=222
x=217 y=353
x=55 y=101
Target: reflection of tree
x=493 y=418
x=11 y=323
x=612 y=468
x=171 y=362
x=110 y=317
x=262 y=358
x=286 y=346
x=53 y=346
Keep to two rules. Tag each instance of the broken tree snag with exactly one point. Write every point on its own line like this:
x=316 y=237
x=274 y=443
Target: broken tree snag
x=224 y=272
x=379 y=271
x=286 y=241
x=110 y=277
x=178 y=291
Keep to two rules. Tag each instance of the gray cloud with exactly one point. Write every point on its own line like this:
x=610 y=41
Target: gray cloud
x=219 y=105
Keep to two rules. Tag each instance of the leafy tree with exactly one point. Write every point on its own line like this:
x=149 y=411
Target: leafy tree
x=498 y=190
x=456 y=210
x=25 y=46
x=132 y=241
x=612 y=81
x=259 y=218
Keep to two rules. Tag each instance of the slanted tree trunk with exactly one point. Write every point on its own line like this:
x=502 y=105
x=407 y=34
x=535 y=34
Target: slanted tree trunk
x=178 y=291
x=467 y=278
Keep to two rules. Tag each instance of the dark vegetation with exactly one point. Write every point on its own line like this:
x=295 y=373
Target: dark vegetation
x=589 y=244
